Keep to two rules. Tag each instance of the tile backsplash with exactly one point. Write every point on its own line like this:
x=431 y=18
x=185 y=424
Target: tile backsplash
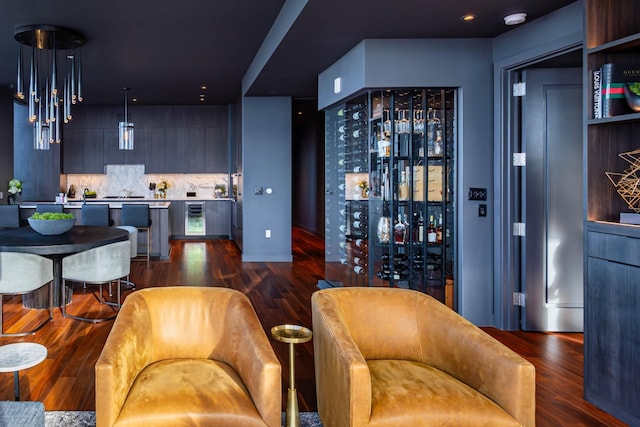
x=132 y=180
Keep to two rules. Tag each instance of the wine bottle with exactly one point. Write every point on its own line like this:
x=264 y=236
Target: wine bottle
x=439 y=230
x=403 y=187
x=396 y=258
x=431 y=231
x=360 y=215
x=396 y=276
x=399 y=230
x=362 y=243
x=360 y=270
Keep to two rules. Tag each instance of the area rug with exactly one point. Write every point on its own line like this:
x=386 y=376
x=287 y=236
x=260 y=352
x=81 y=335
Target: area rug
x=88 y=419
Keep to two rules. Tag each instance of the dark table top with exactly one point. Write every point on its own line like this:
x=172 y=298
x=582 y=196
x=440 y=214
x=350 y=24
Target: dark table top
x=79 y=238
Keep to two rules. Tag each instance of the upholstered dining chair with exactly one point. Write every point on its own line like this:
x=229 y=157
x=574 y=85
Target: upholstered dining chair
x=398 y=357
x=9 y=216
x=96 y=214
x=97 y=266
x=21 y=273
x=188 y=356
x=137 y=215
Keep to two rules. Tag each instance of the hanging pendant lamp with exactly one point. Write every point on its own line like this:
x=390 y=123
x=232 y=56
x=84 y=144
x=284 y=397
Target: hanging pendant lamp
x=125 y=128
x=42 y=94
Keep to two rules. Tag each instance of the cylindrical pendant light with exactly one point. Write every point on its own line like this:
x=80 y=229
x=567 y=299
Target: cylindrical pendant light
x=125 y=128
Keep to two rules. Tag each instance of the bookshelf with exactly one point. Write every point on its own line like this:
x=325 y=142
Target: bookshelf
x=612 y=267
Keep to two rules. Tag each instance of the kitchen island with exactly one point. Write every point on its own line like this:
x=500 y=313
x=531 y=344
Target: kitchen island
x=159 y=212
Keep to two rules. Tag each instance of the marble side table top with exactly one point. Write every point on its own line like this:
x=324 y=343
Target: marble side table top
x=22 y=355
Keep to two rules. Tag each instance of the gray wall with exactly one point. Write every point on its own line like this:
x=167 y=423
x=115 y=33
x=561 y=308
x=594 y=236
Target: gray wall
x=308 y=166
x=467 y=65
x=6 y=140
x=549 y=35
x=266 y=163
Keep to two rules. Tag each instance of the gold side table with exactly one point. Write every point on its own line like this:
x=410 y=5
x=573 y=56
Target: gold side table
x=292 y=334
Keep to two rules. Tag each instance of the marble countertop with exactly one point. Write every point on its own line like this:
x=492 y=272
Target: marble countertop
x=113 y=203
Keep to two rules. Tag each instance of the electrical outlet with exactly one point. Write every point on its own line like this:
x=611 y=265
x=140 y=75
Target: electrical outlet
x=1 y=195
x=267 y=233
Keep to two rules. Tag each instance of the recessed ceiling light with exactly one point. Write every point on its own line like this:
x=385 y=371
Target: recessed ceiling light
x=134 y=99
x=203 y=87
x=515 y=18
x=468 y=17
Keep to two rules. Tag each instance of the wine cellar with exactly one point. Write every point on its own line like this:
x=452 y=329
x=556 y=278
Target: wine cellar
x=390 y=207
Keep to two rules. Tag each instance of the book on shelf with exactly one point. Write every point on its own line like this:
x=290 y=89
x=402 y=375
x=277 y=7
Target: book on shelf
x=596 y=87
x=619 y=89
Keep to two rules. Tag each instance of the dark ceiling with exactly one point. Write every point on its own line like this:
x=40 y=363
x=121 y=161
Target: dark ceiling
x=164 y=50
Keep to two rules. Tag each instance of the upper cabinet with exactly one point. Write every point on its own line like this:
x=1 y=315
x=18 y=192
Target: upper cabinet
x=168 y=139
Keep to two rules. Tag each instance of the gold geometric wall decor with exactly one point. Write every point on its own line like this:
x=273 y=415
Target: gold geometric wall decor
x=627 y=183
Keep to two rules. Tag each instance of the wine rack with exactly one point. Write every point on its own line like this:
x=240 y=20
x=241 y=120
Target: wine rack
x=390 y=207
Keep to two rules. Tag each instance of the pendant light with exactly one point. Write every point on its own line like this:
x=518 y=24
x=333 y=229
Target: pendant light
x=42 y=96
x=125 y=128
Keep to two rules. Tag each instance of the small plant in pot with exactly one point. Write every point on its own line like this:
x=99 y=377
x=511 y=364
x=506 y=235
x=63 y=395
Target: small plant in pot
x=219 y=190
x=51 y=223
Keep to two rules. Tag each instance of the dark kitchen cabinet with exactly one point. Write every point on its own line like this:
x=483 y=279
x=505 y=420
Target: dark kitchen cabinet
x=218 y=218
x=115 y=156
x=216 y=152
x=176 y=218
x=155 y=153
x=82 y=150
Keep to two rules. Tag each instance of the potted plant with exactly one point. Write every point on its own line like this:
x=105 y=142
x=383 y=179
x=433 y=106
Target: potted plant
x=51 y=223
x=14 y=190
x=219 y=190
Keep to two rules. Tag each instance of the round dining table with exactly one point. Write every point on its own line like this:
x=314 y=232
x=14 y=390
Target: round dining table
x=80 y=238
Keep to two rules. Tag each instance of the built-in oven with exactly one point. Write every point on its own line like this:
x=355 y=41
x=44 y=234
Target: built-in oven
x=194 y=219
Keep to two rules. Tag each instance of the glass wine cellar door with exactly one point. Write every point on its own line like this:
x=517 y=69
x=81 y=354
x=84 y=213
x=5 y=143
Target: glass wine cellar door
x=390 y=207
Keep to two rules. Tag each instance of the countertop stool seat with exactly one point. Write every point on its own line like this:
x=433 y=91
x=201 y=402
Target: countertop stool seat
x=9 y=216
x=96 y=214
x=137 y=215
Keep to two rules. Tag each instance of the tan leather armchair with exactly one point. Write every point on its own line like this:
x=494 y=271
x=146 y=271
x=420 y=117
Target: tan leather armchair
x=188 y=356
x=396 y=357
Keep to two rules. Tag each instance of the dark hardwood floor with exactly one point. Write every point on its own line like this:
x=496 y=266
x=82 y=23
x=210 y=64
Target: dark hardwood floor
x=280 y=293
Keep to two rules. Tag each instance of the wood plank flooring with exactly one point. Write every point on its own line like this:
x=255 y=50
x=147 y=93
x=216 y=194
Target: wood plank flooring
x=280 y=293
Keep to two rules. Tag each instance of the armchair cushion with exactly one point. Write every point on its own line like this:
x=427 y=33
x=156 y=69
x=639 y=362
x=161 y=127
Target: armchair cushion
x=180 y=354
x=375 y=347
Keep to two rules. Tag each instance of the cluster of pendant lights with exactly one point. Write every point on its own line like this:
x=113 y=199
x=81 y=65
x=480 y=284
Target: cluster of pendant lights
x=48 y=92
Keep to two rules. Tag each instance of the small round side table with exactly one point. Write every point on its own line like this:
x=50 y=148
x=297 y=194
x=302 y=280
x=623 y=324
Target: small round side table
x=18 y=356
x=292 y=334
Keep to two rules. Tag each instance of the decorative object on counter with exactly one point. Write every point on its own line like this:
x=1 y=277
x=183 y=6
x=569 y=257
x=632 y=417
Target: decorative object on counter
x=219 y=190
x=162 y=188
x=51 y=223
x=71 y=194
x=152 y=190
x=88 y=194
x=125 y=128
x=14 y=190
x=626 y=184
x=48 y=103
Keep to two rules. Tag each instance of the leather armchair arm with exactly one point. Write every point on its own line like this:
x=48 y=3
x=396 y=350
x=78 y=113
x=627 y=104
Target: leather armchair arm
x=127 y=351
x=246 y=348
x=467 y=353
x=343 y=383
